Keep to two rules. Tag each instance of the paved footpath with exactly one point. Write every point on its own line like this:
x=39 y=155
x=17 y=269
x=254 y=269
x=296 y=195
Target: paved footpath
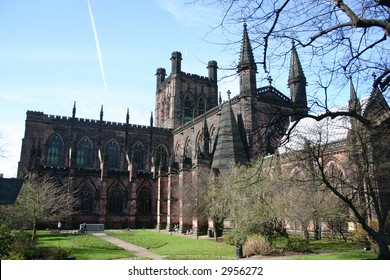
x=136 y=250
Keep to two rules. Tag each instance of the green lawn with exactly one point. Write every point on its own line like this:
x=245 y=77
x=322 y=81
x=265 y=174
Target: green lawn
x=351 y=255
x=176 y=246
x=83 y=246
x=180 y=247
x=330 y=249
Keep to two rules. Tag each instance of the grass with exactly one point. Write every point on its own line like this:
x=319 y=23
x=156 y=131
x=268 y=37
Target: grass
x=329 y=249
x=177 y=247
x=180 y=247
x=355 y=255
x=84 y=246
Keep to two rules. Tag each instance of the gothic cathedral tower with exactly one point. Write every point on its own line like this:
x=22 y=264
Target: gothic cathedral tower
x=181 y=96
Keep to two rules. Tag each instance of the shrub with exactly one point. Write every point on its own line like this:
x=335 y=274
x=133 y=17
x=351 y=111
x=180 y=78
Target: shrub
x=298 y=245
x=257 y=244
x=53 y=253
x=360 y=235
x=235 y=235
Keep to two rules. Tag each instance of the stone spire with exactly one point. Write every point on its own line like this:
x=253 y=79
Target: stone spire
x=247 y=68
x=246 y=56
x=229 y=150
x=354 y=103
x=297 y=82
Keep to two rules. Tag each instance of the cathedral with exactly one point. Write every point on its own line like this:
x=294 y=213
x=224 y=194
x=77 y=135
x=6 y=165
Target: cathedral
x=130 y=176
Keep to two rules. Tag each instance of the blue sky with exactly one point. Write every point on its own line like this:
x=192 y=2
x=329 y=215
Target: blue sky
x=49 y=58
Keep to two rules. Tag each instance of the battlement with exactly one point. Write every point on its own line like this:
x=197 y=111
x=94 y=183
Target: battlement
x=188 y=76
x=40 y=116
x=195 y=76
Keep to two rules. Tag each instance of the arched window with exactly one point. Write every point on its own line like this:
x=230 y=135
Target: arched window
x=86 y=199
x=199 y=147
x=55 y=148
x=188 y=149
x=177 y=152
x=188 y=108
x=115 y=200
x=336 y=176
x=84 y=153
x=113 y=154
x=201 y=106
x=144 y=201
x=161 y=157
x=138 y=156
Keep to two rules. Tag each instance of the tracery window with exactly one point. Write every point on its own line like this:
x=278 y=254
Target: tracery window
x=138 y=156
x=144 y=201
x=201 y=106
x=113 y=154
x=115 y=200
x=55 y=149
x=161 y=157
x=188 y=108
x=86 y=199
x=84 y=153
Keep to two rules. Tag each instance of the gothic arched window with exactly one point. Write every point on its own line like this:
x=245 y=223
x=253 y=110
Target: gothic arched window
x=138 y=156
x=161 y=157
x=188 y=108
x=86 y=199
x=84 y=153
x=115 y=200
x=113 y=154
x=144 y=201
x=188 y=152
x=336 y=176
x=201 y=106
x=55 y=149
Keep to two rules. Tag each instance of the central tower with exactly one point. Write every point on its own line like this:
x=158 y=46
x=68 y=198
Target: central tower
x=181 y=96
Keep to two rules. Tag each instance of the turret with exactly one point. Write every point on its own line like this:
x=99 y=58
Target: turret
x=247 y=68
x=212 y=66
x=161 y=73
x=176 y=62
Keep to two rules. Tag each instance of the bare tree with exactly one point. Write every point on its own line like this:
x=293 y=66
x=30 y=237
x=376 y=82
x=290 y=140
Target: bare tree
x=340 y=38
x=358 y=178
x=41 y=200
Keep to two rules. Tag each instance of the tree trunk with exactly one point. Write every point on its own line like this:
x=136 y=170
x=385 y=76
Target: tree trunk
x=384 y=251
x=34 y=233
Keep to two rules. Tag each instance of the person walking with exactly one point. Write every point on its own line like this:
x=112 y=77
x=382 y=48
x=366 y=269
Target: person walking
x=59 y=226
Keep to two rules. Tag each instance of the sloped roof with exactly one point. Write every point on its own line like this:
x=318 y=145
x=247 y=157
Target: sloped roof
x=325 y=131
x=321 y=132
x=229 y=149
x=9 y=190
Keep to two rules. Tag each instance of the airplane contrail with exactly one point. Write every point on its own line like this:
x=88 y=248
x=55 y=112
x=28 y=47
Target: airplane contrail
x=99 y=53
